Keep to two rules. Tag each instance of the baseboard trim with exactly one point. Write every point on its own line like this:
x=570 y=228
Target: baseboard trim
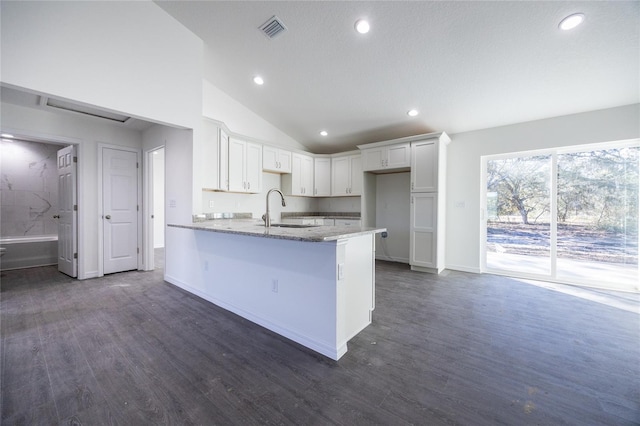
x=473 y=270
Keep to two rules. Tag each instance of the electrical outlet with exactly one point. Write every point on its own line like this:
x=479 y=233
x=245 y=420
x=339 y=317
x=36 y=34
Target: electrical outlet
x=210 y=204
x=274 y=285
x=384 y=234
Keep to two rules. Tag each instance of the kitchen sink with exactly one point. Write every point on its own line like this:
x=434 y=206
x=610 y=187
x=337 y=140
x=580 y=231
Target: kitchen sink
x=291 y=225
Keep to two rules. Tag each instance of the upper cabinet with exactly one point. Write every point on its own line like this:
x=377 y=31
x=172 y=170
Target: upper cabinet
x=424 y=165
x=276 y=160
x=346 y=175
x=322 y=176
x=245 y=166
x=386 y=158
x=300 y=181
x=215 y=157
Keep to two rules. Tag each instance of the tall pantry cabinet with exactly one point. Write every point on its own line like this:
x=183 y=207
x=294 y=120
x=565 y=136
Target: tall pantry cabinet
x=428 y=200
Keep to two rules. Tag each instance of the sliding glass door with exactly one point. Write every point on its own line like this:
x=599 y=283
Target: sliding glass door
x=564 y=215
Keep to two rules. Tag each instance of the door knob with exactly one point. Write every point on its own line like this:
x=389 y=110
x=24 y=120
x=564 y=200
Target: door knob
x=108 y=216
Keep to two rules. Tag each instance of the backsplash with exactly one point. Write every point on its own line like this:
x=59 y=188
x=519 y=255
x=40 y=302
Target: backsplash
x=28 y=188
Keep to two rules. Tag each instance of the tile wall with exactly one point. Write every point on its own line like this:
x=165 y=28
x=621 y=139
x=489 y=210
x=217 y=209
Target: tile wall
x=28 y=188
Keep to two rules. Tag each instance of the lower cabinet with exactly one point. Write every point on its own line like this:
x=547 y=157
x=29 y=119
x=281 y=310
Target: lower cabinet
x=423 y=236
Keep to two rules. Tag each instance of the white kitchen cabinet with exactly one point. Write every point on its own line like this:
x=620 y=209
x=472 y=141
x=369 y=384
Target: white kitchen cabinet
x=346 y=175
x=322 y=177
x=245 y=166
x=300 y=180
x=276 y=160
x=428 y=201
x=423 y=230
x=424 y=166
x=386 y=158
x=215 y=157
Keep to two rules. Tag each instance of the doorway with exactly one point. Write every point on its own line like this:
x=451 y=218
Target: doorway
x=154 y=208
x=567 y=215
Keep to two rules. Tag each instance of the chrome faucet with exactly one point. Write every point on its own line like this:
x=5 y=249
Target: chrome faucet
x=267 y=215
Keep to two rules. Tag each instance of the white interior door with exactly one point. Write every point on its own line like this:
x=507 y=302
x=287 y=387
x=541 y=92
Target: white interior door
x=120 y=210
x=67 y=212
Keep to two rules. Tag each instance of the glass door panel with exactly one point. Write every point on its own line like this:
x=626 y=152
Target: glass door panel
x=518 y=214
x=597 y=207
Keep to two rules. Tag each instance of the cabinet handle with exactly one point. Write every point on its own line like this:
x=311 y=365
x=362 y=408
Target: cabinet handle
x=411 y=185
x=248 y=185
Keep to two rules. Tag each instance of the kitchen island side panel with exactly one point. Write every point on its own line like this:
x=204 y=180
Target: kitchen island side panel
x=319 y=294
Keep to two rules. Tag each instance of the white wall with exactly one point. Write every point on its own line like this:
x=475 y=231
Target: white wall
x=256 y=203
x=393 y=196
x=28 y=188
x=130 y=57
x=339 y=204
x=464 y=160
x=87 y=132
x=239 y=119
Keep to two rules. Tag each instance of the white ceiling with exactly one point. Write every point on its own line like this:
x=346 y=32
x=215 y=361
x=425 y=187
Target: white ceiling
x=463 y=65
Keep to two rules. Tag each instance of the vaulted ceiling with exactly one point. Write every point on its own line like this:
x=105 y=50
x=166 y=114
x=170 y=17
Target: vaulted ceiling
x=462 y=65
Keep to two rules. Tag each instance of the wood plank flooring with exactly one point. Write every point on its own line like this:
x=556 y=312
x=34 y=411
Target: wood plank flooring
x=458 y=349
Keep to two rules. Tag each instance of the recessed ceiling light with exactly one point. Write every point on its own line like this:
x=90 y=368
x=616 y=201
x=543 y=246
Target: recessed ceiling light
x=412 y=112
x=258 y=80
x=362 y=26
x=323 y=133
x=571 y=21
x=6 y=135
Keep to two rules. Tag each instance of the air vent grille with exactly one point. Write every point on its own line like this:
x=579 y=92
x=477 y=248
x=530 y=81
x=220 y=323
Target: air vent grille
x=273 y=27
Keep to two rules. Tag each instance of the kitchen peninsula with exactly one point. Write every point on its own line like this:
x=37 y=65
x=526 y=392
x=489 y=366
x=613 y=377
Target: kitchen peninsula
x=314 y=284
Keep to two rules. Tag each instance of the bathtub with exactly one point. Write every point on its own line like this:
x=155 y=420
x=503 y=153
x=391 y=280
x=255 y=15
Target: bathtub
x=29 y=251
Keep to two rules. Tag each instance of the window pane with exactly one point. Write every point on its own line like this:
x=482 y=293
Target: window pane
x=518 y=222
x=598 y=217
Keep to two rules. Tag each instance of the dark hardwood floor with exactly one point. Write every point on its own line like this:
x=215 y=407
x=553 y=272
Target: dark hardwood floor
x=467 y=349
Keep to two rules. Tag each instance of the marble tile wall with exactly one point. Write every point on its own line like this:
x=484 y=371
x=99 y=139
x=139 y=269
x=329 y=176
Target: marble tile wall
x=28 y=188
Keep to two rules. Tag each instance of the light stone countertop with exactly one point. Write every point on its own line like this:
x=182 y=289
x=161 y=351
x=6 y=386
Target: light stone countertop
x=255 y=228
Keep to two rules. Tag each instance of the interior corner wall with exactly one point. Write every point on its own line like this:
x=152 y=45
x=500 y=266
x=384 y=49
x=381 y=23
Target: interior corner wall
x=463 y=208
x=239 y=119
x=130 y=57
x=88 y=132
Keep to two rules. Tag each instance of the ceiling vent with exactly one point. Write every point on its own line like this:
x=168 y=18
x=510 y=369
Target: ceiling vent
x=81 y=109
x=273 y=27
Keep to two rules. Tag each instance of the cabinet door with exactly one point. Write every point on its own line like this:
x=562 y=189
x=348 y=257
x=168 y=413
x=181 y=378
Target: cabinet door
x=340 y=175
x=237 y=149
x=373 y=159
x=210 y=156
x=398 y=156
x=276 y=160
x=296 y=174
x=223 y=173
x=423 y=236
x=284 y=161
x=355 y=176
x=424 y=166
x=322 y=177
x=307 y=175
x=270 y=159
x=253 y=168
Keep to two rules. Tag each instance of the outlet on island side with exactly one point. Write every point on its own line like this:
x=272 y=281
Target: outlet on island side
x=384 y=234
